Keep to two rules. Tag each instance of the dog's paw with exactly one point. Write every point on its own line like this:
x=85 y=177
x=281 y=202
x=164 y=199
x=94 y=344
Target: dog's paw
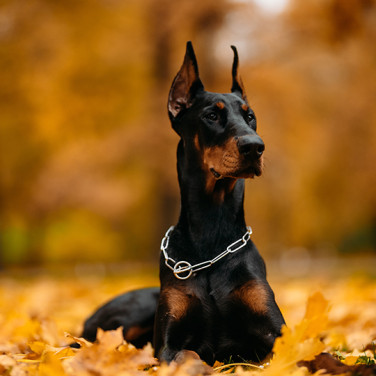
x=192 y=361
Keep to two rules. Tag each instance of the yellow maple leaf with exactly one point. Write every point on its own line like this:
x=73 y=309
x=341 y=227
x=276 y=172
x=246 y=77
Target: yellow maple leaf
x=350 y=360
x=110 y=340
x=110 y=355
x=29 y=330
x=38 y=347
x=336 y=340
x=66 y=352
x=315 y=319
x=51 y=365
x=302 y=342
x=80 y=340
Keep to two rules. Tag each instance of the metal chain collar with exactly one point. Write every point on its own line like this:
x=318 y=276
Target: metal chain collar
x=183 y=269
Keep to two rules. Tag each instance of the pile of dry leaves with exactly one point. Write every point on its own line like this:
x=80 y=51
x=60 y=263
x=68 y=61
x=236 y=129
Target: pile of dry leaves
x=39 y=317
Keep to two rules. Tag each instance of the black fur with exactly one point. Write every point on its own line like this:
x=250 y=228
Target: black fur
x=227 y=310
x=135 y=309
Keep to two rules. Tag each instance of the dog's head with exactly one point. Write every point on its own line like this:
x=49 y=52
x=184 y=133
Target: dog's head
x=220 y=127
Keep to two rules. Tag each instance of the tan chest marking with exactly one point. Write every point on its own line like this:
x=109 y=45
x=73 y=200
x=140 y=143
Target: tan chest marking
x=177 y=302
x=254 y=294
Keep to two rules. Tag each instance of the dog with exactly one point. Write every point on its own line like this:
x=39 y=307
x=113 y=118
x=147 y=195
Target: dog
x=214 y=301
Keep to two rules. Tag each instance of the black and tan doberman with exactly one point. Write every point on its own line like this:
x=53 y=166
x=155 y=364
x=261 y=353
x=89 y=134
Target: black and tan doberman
x=214 y=298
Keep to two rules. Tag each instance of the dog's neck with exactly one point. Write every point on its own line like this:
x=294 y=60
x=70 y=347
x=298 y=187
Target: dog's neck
x=212 y=210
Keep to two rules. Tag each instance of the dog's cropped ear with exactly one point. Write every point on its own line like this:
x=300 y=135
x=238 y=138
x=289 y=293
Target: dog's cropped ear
x=237 y=83
x=185 y=85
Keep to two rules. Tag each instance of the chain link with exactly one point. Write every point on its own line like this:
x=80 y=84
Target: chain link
x=183 y=269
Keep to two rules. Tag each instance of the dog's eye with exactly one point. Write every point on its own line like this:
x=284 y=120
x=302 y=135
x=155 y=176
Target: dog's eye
x=212 y=116
x=250 y=117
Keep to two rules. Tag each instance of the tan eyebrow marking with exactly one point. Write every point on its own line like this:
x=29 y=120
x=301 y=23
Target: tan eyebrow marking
x=220 y=105
x=245 y=107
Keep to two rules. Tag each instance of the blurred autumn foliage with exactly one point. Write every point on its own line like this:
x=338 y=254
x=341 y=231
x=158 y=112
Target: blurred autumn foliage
x=87 y=156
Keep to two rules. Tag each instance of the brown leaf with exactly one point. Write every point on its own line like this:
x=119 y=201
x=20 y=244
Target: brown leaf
x=332 y=366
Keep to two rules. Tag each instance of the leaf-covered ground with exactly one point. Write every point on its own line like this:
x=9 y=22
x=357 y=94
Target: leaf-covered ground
x=39 y=316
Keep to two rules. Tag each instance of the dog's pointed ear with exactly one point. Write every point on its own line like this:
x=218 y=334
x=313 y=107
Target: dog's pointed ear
x=185 y=85
x=237 y=83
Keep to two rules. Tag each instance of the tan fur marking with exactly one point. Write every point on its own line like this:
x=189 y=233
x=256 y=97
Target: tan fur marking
x=220 y=105
x=177 y=302
x=224 y=159
x=134 y=332
x=197 y=142
x=245 y=107
x=255 y=295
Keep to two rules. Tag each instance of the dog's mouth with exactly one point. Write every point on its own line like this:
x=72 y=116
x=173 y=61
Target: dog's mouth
x=248 y=172
x=231 y=164
x=254 y=169
x=216 y=174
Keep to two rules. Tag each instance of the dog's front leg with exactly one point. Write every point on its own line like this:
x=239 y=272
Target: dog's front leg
x=170 y=348
x=179 y=331
x=172 y=307
x=170 y=331
x=173 y=337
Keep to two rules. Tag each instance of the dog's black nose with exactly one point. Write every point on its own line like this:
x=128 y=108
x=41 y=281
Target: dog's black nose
x=251 y=146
